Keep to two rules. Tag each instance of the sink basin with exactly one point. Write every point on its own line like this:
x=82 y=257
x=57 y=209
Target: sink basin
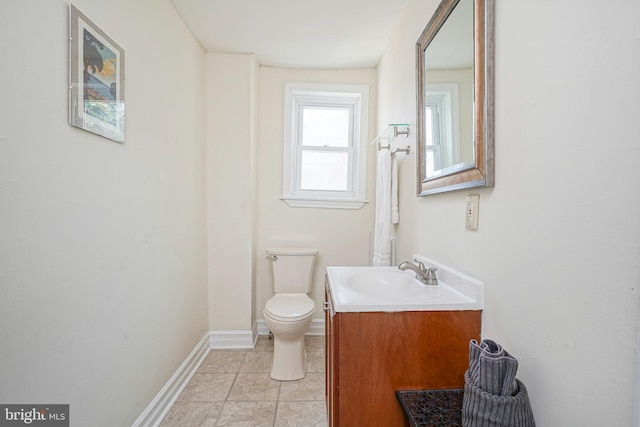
x=388 y=289
x=389 y=285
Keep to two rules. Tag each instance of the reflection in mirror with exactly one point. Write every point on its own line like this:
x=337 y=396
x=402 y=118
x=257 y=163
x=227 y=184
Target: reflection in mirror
x=448 y=65
x=455 y=84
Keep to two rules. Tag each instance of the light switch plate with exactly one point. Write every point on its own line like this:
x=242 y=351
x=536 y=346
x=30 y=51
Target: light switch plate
x=471 y=219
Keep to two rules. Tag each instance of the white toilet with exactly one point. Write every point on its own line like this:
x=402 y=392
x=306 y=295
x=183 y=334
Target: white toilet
x=289 y=312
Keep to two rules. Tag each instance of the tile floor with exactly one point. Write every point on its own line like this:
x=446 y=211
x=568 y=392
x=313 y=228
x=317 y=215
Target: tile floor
x=233 y=388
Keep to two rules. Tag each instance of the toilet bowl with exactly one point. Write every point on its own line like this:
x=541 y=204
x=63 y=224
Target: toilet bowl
x=288 y=314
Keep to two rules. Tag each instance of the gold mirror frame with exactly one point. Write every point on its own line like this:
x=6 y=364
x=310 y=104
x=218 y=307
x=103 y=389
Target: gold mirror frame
x=481 y=174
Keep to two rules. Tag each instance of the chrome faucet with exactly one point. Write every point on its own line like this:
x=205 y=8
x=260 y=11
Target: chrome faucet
x=424 y=274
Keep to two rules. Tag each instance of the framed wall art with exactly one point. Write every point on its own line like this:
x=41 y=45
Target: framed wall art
x=96 y=79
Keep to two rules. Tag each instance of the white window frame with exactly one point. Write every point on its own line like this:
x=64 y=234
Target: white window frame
x=349 y=96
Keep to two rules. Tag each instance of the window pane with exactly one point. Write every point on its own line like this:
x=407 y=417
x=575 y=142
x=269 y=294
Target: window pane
x=322 y=170
x=429 y=162
x=325 y=126
x=428 y=117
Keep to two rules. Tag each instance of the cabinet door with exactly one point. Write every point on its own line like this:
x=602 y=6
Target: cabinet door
x=384 y=352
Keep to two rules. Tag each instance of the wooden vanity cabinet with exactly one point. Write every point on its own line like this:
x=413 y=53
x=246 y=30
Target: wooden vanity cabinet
x=370 y=355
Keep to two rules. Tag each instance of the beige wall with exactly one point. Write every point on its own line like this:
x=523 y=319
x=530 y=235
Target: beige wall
x=231 y=214
x=341 y=235
x=557 y=245
x=245 y=214
x=102 y=245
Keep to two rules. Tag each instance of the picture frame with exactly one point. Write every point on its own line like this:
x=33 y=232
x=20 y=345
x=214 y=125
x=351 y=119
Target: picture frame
x=96 y=79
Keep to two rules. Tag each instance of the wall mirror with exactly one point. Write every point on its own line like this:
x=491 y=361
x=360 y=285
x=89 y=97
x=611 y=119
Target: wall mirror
x=454 y=69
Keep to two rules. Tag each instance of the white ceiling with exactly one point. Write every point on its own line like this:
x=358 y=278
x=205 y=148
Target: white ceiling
x=294 y=33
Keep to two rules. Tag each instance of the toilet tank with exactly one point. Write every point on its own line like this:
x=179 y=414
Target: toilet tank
x=292 y=269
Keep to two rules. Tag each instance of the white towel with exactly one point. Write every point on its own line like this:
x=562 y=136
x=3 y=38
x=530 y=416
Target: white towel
x=395 y=208
x=382 y=230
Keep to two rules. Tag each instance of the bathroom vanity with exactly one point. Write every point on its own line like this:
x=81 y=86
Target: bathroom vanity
x=412 y=338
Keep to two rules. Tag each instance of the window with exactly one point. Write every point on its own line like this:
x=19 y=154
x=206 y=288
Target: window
x=442 y=147
x=325 y=147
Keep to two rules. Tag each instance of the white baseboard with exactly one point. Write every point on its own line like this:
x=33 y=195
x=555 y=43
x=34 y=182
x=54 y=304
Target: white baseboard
x=317 y=327
x=160 y=405
x=233 y=339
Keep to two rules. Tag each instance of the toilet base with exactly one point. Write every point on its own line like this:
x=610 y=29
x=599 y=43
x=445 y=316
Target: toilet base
x=289 y=359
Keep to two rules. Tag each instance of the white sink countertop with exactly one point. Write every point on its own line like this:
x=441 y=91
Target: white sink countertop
x=388 y=289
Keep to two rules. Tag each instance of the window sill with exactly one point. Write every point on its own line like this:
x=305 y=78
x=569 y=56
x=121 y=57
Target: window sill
x=325 y=203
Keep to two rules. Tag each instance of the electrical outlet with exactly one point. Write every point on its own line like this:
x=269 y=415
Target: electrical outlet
x=471 y=219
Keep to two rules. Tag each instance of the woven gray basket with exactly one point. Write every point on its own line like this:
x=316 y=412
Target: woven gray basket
x=482 y=409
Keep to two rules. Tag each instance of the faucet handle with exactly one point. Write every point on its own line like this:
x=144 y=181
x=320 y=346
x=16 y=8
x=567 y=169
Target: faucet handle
x=430 y=276
x=421 y=266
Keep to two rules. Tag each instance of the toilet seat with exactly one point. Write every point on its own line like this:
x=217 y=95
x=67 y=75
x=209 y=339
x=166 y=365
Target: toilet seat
x=289 y=307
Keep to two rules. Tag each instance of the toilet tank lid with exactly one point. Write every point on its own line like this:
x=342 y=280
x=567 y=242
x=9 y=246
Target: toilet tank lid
x=292 y=251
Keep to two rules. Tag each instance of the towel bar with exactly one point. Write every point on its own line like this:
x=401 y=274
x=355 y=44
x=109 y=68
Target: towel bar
x=401 y=150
